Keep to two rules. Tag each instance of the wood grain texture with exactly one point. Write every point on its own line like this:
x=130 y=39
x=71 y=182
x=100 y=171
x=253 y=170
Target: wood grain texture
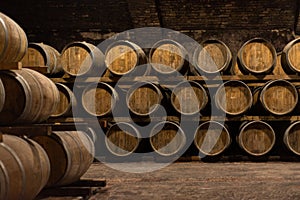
x=257 y=138
x=290 y=55
x=292 y=138
x=212 y=138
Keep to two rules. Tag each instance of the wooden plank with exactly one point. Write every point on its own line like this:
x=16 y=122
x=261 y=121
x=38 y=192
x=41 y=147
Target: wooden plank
x=9 y=66
x=41 y=69
x=29 y=130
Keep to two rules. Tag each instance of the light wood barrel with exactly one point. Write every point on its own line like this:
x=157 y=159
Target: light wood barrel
x=27 y=167
x=292 y=138
x=212 y=56
x=39 y=55
x=189 y=98
x=257 y=138
x=29 y=97
x=4 y=182
x=234 y=97
x=290 y=57
x=100 y=99
x=212 y=138
x=143 y=98
x=79 y=58
x=70 y=153
x=123 y=57
x=122 y=139
x=167 y=138
x=13 y=39
x=66 y=101
x=279 y=97
x=257 y=56
x=168 y=57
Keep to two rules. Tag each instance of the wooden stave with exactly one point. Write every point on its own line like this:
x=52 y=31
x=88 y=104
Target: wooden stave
x=288 y=67
x=125 y=125
x=221 y=150
x=243 y=66
x=247 y=108
x=95 y=53
x=286 y=138
x=241 y=143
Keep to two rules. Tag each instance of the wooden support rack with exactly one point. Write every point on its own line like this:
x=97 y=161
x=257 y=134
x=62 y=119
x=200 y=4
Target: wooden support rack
x=9 y=66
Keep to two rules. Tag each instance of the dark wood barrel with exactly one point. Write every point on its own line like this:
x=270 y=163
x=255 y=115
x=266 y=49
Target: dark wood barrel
x=257 y=138
x=257 y=56
x=100 y=99
x=212 y=138
x=2 y=95
x=122 y=139
x=290 y=57
x=13 y=39
x=70 y=153
x=189 y=98
x=167 y=138
x=278 y=97
x=168 y=57
x=40 y=54
x=30 y=97
x=212 y=56
x=27 y=167
x=66 y=101
x=4 y=182
x=124 y=57
x=143 y=98
x=79 y=58
x=234 y=97
x=292 y=138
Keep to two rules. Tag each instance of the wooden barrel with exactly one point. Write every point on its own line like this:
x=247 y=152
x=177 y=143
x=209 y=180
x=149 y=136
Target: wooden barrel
x=122 y=139
x=2 y=95
x=234 y=97
x=212 y=138
x=168 y=57
x=167 y=138
x=292 y=137
x=257 y=138
x=79 y=58
x=124 y=57
x=212 y=56
x=100 y=99
x=27 y=167
x=29 y=97
x=290 y=57
x=278 y=97
x=39 y=55
x=257 y=56
x=66 y=101
x=143 y=98
x=189 y=98
x=13 y=39
x=4 y=182
x=70 y=153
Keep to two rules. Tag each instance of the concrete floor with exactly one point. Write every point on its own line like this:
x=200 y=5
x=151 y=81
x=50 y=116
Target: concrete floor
x=198 y=180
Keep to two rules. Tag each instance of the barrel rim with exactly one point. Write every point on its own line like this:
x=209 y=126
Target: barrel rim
x=268 y=84
x=162 y=123
x=138 y=85
x=286 y=137
x=39 y=47
x=241 y=142
x=235 y=82
x=85 y=45
x=191 y=83
x=128 y=43
x=159 y=43
x=5 y=186
x=118 y=124
x=268 y=44
x=199 y=49
x=112 y=91
x=286 y=51
x=70 y=97
x=223 y=128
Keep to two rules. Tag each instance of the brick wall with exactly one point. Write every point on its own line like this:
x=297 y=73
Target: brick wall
x=233 y=21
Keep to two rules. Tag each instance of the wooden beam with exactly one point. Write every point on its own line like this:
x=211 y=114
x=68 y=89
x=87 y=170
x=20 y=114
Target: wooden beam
x=9 y=66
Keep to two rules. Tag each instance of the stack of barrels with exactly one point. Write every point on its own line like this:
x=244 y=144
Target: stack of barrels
x=27 y=97
x=247 y=96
